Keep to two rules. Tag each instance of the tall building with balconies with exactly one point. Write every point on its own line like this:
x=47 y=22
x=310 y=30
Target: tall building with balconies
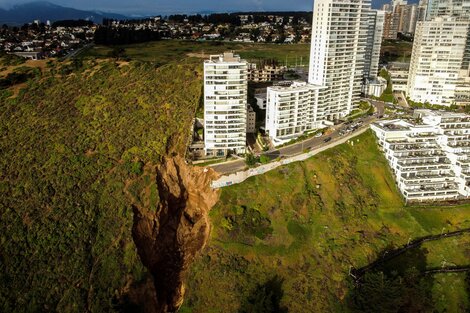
x=225 y=104
x=455 y=8
x=337 y=56
x=439 y=67
x=375 y=30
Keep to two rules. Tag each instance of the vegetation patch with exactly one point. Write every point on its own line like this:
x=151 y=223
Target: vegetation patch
x=243 y=224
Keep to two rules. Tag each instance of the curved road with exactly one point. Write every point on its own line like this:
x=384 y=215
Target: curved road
x=299 y=148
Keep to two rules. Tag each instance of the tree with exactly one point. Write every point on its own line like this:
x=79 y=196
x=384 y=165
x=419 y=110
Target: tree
x=118 y=53
x=264 y=159
x=250 y=159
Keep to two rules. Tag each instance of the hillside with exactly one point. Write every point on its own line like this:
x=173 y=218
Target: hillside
x=80 y=148
x=43 y=11
x=287 y=239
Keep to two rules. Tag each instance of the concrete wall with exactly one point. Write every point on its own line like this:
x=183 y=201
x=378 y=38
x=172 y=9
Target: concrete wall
x=240 y=177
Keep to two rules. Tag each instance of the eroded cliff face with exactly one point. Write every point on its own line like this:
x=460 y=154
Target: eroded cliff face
x=170 y=237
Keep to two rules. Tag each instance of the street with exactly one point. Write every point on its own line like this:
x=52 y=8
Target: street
x=298 y=148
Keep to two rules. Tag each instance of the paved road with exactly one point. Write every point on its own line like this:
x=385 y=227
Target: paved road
x=74 y=53
x=298 y=148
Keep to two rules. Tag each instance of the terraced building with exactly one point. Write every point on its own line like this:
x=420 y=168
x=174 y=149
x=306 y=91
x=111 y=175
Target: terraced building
x=429 y=156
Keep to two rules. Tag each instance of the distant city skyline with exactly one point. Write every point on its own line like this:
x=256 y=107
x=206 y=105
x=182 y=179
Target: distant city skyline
x=156 y=7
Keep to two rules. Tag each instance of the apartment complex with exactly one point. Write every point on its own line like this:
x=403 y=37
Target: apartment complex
x=291 y=111
x=401 y=17
x=439 y=68
x=456 y=8
x=375 y=31
x=344 y=56
x=390 y=25
x=440 y=63
x=225 y=104
x=399 y=75
x=265 y=73
x=430 y=158
x=337 y=55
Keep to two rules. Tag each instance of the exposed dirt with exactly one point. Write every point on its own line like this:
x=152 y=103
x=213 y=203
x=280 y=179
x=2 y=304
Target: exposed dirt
x=169 y=238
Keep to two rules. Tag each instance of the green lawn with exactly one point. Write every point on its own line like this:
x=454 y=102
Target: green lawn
x=164 y=51
x=336 y=210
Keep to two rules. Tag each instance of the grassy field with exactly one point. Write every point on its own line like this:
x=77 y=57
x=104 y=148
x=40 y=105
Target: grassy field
x=308 y=223
x=164 y=51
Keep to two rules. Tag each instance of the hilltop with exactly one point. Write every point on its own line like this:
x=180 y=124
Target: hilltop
x=43 y=11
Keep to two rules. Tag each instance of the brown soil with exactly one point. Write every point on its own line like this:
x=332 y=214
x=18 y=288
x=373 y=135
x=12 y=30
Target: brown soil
x=198 y=55
x=169 y=239
x=41 y=64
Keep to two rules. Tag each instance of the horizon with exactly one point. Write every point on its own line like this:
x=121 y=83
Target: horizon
x=159 y=7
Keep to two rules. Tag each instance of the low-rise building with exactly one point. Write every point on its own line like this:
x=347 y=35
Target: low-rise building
x=430 y=156
x=266 y=73
x=375 y=87
x=399 y=75
x=250 y=121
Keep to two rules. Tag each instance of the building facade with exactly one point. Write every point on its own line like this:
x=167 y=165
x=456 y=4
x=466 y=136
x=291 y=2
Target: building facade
x=265 y=73
x=430 y=159
x=337 y=56
x=225 y=104
x=291 y=111
x=399 y=75
x=439 y=62
x=375 y=30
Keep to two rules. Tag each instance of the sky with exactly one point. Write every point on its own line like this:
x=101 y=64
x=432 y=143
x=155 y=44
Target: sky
x=153 y=7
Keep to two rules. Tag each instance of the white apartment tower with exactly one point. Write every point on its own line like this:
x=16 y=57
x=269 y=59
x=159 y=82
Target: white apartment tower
x=345 y=50
x=337 y=56
x=374 y=43
x=225 y=104
x=439 y=68
x=456 y=8
x=291 y=111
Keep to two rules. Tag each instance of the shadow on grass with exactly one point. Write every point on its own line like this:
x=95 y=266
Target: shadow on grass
x=266 y=298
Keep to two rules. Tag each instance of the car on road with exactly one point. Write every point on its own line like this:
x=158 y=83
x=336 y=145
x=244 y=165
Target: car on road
x=327 y=140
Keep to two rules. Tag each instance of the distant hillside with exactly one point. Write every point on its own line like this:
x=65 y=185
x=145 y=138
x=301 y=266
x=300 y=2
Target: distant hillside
x=43 y=11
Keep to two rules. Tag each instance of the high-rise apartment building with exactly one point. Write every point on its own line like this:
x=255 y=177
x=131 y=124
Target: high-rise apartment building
x=407 y=17
x=439 y=69
x=225 y=104
x=337 y=56
x=375 y=30
x=390 y=26
x=345 y=51
x=456 y=8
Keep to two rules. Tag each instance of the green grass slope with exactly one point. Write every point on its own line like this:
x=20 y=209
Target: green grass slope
x=304 y=225
x=70 y=141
